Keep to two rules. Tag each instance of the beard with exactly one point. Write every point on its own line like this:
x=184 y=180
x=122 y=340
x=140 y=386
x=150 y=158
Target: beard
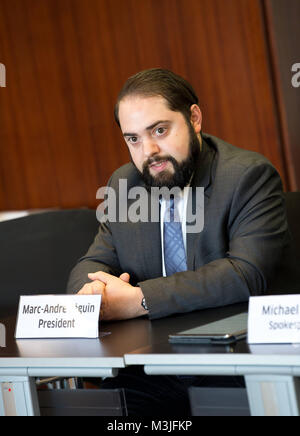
x=183 y=171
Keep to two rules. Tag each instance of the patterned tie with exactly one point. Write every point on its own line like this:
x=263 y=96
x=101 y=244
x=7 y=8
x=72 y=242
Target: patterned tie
x=174 y=252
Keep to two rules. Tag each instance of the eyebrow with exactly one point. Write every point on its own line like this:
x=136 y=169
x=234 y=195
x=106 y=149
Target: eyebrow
x=147 y=128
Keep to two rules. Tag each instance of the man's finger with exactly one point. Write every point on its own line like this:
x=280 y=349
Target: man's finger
x=96 y=287
x=99 y=275
x=125 y=277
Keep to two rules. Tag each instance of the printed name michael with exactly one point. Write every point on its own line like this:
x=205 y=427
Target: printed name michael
x=280 y=310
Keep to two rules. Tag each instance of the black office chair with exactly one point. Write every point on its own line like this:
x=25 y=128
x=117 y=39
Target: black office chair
x=36 y=256
x=37 y=252
x=287 y=278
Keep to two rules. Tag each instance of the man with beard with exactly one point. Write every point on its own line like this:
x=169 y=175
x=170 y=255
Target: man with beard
x=235 y=254
x=233 y=257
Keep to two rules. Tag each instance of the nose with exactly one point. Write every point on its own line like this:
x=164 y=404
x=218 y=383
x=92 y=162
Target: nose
x=150 y=147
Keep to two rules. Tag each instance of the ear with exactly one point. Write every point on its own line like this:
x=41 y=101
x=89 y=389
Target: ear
x=196 y=118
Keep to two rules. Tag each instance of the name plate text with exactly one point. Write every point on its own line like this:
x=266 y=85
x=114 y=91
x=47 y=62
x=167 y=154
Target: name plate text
x=274 y=319
x=58 y=316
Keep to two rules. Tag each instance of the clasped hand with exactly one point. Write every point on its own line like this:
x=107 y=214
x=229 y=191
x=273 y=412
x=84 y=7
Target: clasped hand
x=120 y=300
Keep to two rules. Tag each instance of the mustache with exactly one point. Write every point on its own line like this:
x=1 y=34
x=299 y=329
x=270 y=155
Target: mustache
x=157 y=159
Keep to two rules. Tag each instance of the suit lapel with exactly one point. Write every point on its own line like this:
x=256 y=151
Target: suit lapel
x=150 y=248
x=150 y=252
x=202 y=178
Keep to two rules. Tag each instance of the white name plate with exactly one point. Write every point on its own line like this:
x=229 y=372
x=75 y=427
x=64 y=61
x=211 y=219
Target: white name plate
x=274 y=319
x=58 y=316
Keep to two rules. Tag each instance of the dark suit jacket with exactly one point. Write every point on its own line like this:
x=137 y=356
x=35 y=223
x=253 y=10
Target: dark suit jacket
x=235 y=255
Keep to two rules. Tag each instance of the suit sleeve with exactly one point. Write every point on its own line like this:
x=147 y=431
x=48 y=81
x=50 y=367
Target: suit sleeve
x=101 y=256
x=257 y=233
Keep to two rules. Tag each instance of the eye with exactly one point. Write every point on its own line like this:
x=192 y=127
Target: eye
x=132 y=140
x=159 y=131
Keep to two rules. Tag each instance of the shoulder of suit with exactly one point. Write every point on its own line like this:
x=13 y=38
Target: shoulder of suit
x=230 y=156
x=126 y=172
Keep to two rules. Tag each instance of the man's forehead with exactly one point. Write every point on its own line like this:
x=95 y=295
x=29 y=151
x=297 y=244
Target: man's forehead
x=143 y=111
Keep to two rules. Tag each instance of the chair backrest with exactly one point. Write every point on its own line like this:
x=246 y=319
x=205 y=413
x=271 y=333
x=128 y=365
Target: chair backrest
x=287 y=278
x=37 y=252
